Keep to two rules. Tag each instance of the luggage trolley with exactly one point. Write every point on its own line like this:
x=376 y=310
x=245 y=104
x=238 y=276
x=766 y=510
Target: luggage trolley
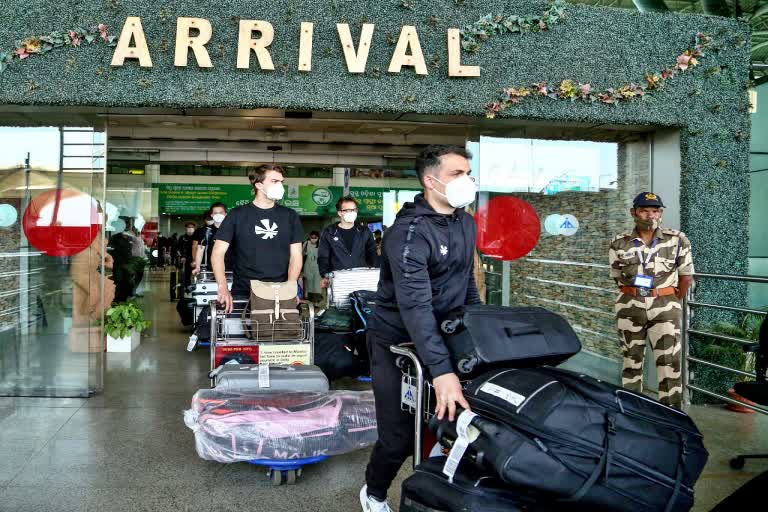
x=201 y=293
x=228 y=336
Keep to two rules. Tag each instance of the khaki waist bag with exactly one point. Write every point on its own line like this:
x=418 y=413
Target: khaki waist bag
x=273 y=313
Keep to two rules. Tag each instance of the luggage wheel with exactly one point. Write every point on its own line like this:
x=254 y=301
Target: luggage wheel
x=738 y=463
x=280 y=477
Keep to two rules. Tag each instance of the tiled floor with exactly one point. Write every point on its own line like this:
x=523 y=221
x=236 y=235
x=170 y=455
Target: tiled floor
x=128 y=448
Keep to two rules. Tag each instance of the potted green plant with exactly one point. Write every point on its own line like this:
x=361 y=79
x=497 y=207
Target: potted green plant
x=124 y=324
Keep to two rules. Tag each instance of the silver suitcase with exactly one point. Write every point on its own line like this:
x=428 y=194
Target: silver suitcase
x=344 y=282
x=243 y=378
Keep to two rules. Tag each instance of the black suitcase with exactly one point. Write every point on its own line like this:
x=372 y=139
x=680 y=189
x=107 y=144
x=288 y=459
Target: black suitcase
x=480 y=337
x=363 y=302
x=184 y=309
x=174 y=285
x=428 y=490
x=335 y=355
x=601 y=446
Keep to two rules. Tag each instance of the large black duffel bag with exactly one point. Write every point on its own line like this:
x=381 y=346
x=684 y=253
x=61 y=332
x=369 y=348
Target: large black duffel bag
x=573 y=437
x=428 y=490
x=334 y=354
x=480 y=337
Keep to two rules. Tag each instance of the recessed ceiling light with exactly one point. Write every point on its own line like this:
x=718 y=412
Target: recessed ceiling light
x=385 y=130
x=279 y=127
x=169 y=123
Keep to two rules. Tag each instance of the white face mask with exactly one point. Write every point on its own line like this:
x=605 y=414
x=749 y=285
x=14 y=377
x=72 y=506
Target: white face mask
x=350 y=217
x=209 y=222
x=275 y=192
x=190 y=231
x=460 y=192
x=218 y=218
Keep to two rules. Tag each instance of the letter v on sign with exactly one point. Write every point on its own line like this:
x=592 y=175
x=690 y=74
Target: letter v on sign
x=356 y=59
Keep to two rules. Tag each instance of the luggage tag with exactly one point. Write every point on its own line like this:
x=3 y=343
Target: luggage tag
x=467 y=434
x=263 y=375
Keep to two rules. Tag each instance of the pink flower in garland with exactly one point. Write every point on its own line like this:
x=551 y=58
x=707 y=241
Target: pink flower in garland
x=541 y=88
x=74 y=38
x=585 y=89
x=492 y=109
x=21 y=53
x=103 y=31
x=686 y=60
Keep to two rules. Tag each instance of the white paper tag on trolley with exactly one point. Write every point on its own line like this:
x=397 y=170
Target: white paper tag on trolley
x=263 y=375
x=408 y=394
x=467 y=434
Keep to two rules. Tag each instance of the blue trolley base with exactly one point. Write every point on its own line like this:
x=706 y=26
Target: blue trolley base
x=286 y=471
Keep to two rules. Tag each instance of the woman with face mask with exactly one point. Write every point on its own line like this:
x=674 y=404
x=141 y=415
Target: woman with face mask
x=345 y=244
x=311 y=271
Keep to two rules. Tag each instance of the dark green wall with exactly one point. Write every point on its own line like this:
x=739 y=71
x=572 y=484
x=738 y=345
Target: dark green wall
x=603 y=47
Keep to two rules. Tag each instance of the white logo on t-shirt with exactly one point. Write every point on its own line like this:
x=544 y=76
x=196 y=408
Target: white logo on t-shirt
x=268 y=231
x=443 y=250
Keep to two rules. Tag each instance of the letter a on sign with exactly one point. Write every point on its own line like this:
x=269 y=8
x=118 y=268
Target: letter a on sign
x=408 y=38
x=132 y=30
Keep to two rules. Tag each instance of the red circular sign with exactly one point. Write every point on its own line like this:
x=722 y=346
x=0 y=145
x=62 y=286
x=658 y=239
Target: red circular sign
x=508 y=228
x=61 y=222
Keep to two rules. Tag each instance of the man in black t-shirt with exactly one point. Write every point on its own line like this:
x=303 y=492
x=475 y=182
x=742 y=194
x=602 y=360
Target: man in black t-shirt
x=267 y=239
x=207 y=236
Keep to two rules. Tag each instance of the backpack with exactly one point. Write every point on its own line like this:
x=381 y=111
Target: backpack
x=271 y=313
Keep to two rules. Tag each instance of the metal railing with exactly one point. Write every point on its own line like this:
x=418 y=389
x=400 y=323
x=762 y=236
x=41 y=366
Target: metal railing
x=688 y=304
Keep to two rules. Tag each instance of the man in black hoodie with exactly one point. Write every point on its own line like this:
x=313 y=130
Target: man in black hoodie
x=346 y=244
x=426 y=272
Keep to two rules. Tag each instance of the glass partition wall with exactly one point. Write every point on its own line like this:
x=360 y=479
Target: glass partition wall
x=52 y=295
x=581 y=192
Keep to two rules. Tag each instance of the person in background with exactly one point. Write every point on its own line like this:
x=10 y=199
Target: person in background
x=346 y=244
x=174 y=247
x=653 y=269
x=199 y=233
x=120 y=248
x=206 y=241
x=138 y=261
x=311 y=271
x=377 y=239
x=185 y=248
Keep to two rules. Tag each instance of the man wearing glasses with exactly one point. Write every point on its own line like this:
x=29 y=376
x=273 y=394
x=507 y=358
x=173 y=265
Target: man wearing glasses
x=346 y=244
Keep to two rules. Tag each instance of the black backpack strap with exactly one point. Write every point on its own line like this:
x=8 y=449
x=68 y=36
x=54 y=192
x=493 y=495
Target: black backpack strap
x=679 y=477
x=603 y=465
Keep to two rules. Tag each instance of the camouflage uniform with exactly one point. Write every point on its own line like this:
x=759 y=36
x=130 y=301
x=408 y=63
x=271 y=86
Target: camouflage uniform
x=657 y=318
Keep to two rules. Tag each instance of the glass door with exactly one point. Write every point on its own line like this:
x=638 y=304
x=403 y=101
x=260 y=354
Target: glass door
x=52 y=291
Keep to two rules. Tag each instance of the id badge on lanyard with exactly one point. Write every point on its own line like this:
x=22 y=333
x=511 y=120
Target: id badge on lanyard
x=644 y=280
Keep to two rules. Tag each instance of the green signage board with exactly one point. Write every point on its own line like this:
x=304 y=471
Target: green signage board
x=185 y=199
x=308 y=200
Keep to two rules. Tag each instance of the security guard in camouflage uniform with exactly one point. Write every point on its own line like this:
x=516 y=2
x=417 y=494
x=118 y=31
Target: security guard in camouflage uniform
x=653 y=268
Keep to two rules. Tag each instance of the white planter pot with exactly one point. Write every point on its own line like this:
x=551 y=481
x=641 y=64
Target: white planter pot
x=127 y=344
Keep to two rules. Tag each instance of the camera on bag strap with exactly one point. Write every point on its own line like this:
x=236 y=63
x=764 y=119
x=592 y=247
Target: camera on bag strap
x=271 y=312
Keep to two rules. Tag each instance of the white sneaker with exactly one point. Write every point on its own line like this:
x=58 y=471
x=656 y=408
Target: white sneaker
x=371 y=504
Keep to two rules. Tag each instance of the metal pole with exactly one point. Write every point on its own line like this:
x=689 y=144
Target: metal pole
x=505 y=284
x=684 y=349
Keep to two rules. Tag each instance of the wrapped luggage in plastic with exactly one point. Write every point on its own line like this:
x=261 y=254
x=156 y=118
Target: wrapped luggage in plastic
x=235 y=427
